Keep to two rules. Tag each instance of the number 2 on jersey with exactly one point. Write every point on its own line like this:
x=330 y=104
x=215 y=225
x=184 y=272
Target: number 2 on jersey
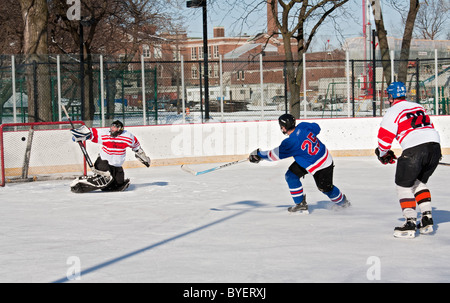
x=418 y=119
x=311 y=144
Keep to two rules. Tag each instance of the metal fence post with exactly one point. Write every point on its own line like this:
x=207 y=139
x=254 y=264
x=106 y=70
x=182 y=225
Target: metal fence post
x=304 y=84
x=13 y=71
x=436 y=84
x=183 y=101
x=102 y=93
x=261 y=78
x=144 y=117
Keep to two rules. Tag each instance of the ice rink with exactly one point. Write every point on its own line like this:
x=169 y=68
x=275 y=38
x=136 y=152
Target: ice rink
x=228 y=226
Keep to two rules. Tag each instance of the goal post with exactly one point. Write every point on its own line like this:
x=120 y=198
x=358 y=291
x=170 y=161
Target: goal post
x=39 y=151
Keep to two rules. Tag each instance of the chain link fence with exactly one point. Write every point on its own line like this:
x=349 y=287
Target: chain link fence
x=100 y=89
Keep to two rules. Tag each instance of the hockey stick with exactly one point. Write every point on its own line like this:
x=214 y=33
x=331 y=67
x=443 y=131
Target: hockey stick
x=442 y=163
x=84 y=151
x=196 y=173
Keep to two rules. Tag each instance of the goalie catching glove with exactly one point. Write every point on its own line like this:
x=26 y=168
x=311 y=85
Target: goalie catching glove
x=142 y=157
x=388 y=158
x=81 y=133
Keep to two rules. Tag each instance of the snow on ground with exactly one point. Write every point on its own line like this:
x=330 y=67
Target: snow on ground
x=227 y=226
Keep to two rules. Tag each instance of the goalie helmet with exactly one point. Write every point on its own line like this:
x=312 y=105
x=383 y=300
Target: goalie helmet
x=119 y=126
x=288 y=121
x=396 y=90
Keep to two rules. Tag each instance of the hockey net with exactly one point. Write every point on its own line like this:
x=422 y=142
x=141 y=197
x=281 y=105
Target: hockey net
x=39 y=151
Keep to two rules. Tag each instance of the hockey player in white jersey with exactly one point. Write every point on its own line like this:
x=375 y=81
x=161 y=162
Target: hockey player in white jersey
x=114 y=142
x=410 y=125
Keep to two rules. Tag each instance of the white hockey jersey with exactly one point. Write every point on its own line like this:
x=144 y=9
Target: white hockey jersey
x=114 y=148
x=407 y=122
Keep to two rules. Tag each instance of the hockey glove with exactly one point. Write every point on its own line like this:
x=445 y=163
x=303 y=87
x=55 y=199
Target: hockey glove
x=142 y=157
x=81 y=133
x=388 y=158
x=253 y=157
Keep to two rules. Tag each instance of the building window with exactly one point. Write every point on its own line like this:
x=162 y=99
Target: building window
x=194 y=53
x=159 y=71
x=146 y=51
x=157 y=51
x=216 y=71
x=216 y=51
x=200 y=53
x=176 y=55
x=194 y=72
x=240 y=75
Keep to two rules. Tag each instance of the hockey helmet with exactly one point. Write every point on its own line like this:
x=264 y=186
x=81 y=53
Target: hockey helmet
x=119 y=126
x=396 y=90
x=288 y=121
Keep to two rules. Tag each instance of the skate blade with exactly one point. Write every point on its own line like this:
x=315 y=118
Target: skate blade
x=407 y=234
x=426 y=230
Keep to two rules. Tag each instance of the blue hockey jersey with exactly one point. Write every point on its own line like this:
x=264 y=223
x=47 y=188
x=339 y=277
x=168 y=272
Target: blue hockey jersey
x=308 y=151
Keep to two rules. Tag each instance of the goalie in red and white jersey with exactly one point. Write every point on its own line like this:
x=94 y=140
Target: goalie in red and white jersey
x=114 y=141
x=410 y=125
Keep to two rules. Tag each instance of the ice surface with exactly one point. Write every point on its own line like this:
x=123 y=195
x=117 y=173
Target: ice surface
x=230 y=225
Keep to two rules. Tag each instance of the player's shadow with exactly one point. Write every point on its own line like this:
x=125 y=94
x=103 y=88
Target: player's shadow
x=157 y=183
x=241 y=205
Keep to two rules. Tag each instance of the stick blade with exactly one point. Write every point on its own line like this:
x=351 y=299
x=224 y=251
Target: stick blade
x=189 y=170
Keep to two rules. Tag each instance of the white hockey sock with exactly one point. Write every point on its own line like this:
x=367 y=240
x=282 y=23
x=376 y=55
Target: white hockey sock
x=422 y=196
x=407 y=201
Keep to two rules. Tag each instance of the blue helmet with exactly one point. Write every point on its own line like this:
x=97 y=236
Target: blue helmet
x=396 y=90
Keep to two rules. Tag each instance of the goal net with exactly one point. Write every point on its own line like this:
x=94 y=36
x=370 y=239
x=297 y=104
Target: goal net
x=39 y=151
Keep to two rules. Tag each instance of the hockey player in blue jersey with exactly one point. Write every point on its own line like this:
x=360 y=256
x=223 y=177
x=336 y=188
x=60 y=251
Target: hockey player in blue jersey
x=310 y=155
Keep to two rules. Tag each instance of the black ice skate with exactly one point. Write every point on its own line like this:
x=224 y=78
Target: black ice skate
x=114 y=187
x=426 y=224
x=301 y=208
x=408 y=230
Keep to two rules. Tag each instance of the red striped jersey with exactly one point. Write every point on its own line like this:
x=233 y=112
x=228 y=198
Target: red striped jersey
x=114 y=148
x=408 y=123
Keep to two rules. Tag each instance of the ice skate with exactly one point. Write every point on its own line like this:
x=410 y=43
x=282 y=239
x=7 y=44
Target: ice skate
x=341 y=205
x=426 y=223
x=114 y=187
x=301 y=208
x=408 y=230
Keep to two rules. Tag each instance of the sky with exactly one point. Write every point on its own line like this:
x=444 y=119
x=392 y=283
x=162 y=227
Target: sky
x=221 y=13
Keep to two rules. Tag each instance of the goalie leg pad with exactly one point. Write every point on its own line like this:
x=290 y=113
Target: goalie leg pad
x=86 y=184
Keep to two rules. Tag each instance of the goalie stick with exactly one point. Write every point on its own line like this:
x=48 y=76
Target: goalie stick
x=196 y=173
x=84 y=151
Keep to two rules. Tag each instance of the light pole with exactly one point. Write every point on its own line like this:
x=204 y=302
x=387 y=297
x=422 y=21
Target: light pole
x=202 y=4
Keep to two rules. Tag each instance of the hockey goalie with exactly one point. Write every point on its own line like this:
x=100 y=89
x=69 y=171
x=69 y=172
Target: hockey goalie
x=109 y=174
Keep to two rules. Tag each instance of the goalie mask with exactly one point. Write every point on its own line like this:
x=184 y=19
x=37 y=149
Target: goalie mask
x=116 y=128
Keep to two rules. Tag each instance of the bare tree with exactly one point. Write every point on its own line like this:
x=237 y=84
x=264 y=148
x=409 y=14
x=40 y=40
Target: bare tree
x=298 y=23
x=432 y=19
x=12 y=27
x=35 y=48
x=409 y=22
x=110 y=28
